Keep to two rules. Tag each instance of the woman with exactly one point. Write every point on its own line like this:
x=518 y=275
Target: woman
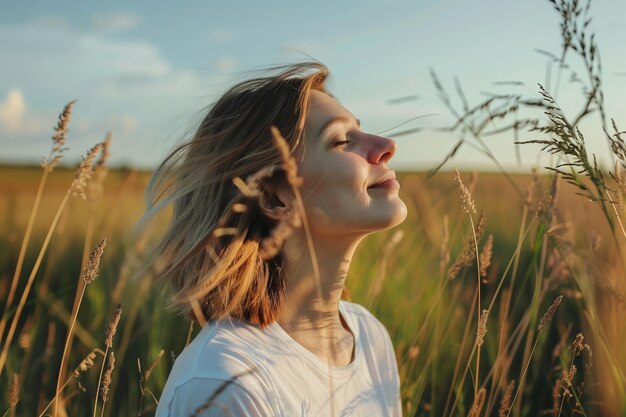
x=260 y=256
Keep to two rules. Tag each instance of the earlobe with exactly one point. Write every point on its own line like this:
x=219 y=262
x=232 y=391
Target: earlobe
x=277 y=213
x=271 y=204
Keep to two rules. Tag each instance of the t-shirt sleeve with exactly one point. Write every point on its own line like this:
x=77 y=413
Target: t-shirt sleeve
x=394 y=388
x=386 y=361
x=212 y=397
x=392 y=374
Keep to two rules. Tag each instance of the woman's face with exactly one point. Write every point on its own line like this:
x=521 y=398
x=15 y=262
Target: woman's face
x=341 y=164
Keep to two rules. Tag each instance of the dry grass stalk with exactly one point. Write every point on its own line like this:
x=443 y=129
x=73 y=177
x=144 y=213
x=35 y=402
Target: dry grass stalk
x=381 y=273
x=547 y=206
x=58 y=139
x=467 y=204
x=569 y=375
x=289 y=163
x=202 y=408
x=90 y=263
x=579 y=345
x=467 y=256
x=144 y=377
x=556 y=395
x=95 y=188
x=154 y=364
x=88 y=274
x=505 y=404
x=90 y=271
x=48 y=164
x=544 y=322
x=252 y=188
x=477 y=407
x=528 y=197
x=109 y=332
x=271 y=245
x=482 y=328
x=84 y=172
x=85 y=364
x=547 y=317
x=14 y=393
x=112 y=326
x=290 y=167
x=444 y=249
x=485 y=256
x=60 y=131
x=106 y=380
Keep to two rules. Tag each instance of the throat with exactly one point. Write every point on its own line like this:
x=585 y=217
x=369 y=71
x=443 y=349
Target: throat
x=334 y=348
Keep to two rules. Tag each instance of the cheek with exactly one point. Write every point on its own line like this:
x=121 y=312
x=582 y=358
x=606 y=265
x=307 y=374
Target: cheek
x=339 y=179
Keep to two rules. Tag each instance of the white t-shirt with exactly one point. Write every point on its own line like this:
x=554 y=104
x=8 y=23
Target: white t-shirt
x=278 y=377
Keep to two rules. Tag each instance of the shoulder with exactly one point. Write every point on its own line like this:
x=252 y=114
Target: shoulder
x=372 y=333
x=210 y=397
x=365 y=319
x=222 y=349
x=224 y=354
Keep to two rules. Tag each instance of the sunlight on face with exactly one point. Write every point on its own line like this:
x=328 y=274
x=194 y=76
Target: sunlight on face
x=340 y=164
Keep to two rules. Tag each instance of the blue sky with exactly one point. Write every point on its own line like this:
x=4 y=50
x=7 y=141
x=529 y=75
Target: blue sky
x=145 y=70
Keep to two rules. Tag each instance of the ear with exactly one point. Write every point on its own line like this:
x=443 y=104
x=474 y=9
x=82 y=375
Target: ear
x=275 y=201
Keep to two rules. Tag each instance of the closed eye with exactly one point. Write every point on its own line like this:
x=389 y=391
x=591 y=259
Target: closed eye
x=341 y=142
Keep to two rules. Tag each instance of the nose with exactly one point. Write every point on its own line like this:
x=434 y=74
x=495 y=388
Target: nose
x=381 y=149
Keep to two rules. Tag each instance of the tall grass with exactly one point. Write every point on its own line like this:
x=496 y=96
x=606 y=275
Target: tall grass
x=516 y=311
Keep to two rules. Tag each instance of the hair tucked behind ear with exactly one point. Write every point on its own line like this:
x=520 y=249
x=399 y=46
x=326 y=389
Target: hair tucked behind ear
x=210 y=252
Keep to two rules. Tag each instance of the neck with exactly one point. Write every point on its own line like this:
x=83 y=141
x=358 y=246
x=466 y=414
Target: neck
x=312 y=302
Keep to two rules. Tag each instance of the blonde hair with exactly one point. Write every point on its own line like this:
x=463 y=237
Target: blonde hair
x=210 y=251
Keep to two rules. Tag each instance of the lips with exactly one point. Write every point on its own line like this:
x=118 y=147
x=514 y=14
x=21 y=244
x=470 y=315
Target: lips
x=390 y=184
x=385 y=181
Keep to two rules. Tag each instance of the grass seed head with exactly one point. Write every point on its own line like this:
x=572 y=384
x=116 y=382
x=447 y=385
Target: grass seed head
x=569 y=376
x=485 y=256
x=60 y=131
x=270 y=246
x=112 y=326
x=505 y=404
x=482 y=328
x=84 y=172
x=578 y=346
x=95 y=187
x=90 y=271
x=468 y=254
x=467 y=204
x=289 y=163
x=547 y=317
x=106 y=379
x=85 y=364
x=58 y=139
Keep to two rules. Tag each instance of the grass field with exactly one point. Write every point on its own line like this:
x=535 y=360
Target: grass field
x=517 y=309
x=432 y=318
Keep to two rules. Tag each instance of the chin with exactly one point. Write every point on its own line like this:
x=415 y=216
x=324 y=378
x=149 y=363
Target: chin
x=394 y=217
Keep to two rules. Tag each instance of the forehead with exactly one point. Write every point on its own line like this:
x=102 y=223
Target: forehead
x=323 y=109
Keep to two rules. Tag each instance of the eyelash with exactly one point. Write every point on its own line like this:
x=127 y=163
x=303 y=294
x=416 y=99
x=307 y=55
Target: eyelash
x=341 y=142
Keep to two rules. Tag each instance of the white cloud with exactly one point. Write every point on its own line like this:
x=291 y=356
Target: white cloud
x=225 y=64
x=221 y=36
x=128 y=123
x=15 y=119
x=115 y=22
x=126 y=86
x=12 y=111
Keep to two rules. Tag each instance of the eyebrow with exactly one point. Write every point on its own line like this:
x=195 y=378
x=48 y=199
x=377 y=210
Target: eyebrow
x=337 y=119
